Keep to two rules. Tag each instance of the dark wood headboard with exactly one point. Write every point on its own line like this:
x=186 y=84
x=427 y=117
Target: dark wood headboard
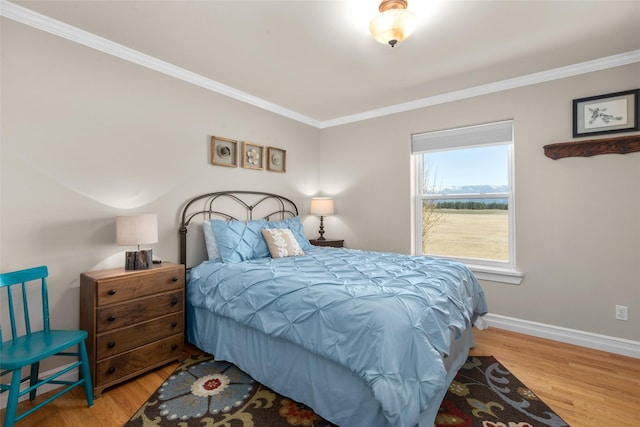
x=233 y=205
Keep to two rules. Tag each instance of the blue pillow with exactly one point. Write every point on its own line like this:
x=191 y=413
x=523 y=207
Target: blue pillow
x=240 y=241
x=296 y=228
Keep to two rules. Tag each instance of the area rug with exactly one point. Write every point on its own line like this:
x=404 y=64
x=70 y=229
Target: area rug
x=205 y=392
x=485 y=394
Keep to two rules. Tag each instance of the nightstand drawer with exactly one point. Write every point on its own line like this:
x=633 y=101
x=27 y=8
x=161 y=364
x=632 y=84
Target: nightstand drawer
x=129 y=286
x=133 y=362
x=115 y=342
x=139 y=310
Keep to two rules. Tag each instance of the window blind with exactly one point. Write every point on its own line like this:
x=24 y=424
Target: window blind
x=484 y=134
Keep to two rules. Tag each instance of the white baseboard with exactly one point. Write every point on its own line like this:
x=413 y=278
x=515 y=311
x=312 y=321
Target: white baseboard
x=571 y=336
x=72 y=375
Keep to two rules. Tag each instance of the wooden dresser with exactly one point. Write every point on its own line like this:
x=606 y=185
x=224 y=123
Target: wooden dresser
x=134 y=320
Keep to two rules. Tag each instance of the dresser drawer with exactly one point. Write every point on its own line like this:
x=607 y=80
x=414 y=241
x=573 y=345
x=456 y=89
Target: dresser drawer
x=129 y=286
x=140 y=310
x=121 y=340
x=135 y=361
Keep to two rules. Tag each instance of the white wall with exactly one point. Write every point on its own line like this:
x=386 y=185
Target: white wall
x=577 y=219
x=86 y=137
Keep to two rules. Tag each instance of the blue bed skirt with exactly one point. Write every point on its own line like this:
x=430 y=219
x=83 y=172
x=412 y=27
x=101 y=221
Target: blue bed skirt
x=332 y=390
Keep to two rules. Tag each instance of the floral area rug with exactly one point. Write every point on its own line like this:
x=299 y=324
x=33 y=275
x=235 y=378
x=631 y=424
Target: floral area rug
x=208 y=393
x=485 y=394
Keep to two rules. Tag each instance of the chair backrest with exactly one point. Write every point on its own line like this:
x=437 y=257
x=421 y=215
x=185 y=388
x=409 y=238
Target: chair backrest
x=22 y=278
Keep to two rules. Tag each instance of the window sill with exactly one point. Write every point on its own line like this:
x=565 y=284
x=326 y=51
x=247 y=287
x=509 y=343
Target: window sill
x=493 y=274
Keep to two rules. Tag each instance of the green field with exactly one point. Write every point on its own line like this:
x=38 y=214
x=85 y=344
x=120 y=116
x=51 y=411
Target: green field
x=470 y=233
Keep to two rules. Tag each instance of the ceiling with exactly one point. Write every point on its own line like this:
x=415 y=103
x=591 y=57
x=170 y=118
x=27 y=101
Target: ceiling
x=314 y=59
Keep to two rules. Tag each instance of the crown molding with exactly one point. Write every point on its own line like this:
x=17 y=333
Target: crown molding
x=85 y=38
x=513 y=83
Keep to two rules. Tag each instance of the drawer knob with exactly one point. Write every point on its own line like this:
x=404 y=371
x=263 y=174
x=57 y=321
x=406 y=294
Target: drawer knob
x=111 y=370
x=111 y=318
x=174 y=279
x=174 y=301
x=174 y=324
x=112 y=291
x=174 y=347
x=111 y=344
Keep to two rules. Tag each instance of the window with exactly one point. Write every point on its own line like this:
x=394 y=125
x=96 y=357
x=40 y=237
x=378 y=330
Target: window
x=464 y=198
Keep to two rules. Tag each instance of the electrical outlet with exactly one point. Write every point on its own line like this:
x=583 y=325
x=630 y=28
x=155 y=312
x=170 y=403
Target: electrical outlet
x=621 y=312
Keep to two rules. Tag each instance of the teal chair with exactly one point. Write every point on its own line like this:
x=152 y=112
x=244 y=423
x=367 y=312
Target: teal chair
x=26 y=348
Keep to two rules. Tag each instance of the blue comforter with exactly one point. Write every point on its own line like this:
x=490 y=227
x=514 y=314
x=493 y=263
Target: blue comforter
x=389 y=318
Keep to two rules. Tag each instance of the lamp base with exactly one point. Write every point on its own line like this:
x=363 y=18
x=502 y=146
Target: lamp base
x=138 y=260
x=321 y=230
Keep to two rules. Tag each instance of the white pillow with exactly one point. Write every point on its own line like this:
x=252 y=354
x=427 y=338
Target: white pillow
x=212 y=244
x=281 y=242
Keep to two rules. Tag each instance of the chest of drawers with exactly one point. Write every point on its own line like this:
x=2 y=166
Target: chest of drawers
x=134 y=321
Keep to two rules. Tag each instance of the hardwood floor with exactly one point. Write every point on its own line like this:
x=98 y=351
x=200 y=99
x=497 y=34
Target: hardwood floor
x=587 y=388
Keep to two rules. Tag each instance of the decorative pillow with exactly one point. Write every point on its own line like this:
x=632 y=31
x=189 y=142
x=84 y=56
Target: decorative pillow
x=281 y=242
x=239 y=240
x=294 y=225
x=210 y=240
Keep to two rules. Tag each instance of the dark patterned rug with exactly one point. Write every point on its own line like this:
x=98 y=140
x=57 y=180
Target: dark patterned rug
x=205 y=392
x=486 y=394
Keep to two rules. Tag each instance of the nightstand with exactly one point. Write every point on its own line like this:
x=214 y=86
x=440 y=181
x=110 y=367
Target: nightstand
x=134 y=320
x=328 y=242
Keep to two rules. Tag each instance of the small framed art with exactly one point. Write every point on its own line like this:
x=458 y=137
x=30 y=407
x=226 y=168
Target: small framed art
x=602 y=114
x=276 y=159
x=224 y=151
x=252 y=155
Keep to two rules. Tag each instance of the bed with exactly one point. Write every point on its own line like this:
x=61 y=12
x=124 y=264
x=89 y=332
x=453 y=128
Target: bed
x=364 y=338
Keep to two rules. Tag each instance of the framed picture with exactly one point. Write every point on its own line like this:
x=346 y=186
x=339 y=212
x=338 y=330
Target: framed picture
x=276 y=159
x=610 y=113
x=224 y=152
x=252 y=155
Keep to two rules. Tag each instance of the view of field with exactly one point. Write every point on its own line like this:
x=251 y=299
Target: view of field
x=470 y=233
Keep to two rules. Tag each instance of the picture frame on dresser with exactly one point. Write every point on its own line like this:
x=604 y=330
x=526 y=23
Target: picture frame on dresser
x=224 y=152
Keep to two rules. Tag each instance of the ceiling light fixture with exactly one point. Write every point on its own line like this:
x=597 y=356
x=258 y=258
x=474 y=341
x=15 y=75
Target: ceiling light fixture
x=394 y=23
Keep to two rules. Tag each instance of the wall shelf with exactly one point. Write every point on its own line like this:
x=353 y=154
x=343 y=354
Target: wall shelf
x=593 y=147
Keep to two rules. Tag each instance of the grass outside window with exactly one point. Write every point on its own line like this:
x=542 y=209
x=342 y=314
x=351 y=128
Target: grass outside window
x=482 y=234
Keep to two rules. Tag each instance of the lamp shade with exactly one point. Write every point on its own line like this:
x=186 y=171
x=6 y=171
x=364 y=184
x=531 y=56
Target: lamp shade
x=394 y=23
x=137 y=229
x=321 y=206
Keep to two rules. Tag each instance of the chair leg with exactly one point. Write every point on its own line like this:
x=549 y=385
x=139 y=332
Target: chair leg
x=86 y=374
x=33 y=379
x=12 y=401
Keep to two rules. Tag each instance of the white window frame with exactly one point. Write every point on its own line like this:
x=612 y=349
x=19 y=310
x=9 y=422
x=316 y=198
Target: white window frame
x=498 y=133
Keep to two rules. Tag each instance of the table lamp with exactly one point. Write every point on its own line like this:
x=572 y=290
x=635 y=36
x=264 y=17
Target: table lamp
x=136 y=230
x=321 y=206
